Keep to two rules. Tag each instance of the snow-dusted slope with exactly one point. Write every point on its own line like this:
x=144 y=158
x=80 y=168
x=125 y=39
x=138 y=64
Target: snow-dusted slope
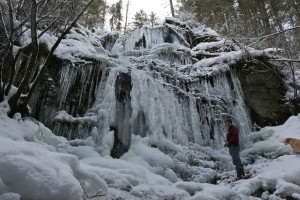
x=35 y=164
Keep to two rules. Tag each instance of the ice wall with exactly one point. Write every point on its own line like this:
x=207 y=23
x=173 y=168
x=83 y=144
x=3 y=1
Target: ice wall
x=153 y=85
x=194 y=111
x=72 y=89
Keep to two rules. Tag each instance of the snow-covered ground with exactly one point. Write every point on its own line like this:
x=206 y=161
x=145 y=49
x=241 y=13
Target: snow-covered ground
x=36 y=164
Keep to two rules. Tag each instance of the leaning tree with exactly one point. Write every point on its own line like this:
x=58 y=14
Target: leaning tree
x=24 y=57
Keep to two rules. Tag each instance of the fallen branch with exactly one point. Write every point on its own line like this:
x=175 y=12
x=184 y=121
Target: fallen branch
x=31 y=119
x=94 y=196
x=87 y=196
x=97 y=195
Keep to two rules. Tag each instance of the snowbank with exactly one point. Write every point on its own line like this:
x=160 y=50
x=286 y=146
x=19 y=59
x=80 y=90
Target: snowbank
x=32 y=169
x=36 y=164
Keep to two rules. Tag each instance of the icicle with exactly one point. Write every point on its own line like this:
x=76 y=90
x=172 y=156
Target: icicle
x=68 y=76
x=105 y=103
x=160 y=108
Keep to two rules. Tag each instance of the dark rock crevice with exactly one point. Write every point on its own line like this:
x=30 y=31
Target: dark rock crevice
x=122 y=135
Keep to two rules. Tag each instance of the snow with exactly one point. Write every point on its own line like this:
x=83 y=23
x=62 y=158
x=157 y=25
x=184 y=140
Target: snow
x=204 y=31
x=209 y=45
x=162 y=162
x=32 y=169
x=79 y=45
x=36 y=164
x=142 y=153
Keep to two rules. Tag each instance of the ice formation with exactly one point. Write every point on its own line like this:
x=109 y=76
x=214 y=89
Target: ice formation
x=171 y=82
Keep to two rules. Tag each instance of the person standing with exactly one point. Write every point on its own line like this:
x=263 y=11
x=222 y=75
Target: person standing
x=232 y=143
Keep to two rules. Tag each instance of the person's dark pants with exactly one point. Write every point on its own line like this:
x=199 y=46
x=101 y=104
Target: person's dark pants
x=235 y=154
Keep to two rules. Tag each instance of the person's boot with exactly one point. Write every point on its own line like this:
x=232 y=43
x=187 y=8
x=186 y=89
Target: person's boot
x=240 y=174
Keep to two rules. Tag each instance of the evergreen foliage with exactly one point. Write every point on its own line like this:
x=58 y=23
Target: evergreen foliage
x=116 y=19
x=153 y=19
x=95 y=17
x=140 y=19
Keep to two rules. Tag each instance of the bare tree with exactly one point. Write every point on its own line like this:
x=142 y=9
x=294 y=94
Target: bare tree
x=23 y=66
x=126 y=16
x=172 y=8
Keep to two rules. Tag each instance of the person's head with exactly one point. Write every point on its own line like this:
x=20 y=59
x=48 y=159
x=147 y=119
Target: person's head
x=228 y=122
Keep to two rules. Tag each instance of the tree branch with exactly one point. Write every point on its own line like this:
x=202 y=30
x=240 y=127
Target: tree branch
x=272 y=34
x=285 y=60
x=40 y=3
x=47 y=28
x=50 y=54
x=21 y=24
x=51 y=12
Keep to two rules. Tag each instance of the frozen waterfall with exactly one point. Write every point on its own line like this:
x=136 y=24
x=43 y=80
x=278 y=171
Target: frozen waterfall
x=150 y=84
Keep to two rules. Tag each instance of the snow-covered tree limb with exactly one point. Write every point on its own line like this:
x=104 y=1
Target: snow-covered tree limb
x=50 y=54
x=272 y=34
x=29 y=53
x=286 y=60
x=48 y=27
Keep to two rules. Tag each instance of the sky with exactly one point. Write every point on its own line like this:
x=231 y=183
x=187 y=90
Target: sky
x=159 y=7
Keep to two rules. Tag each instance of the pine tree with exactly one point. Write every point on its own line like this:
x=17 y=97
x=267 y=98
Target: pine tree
x=94 y=15
x=140 y=19
x=113 y=17
x=126 y=16
x=246 y=18
x=153 y=19
x=115 y=21
x=119 y=17
x=103 y=14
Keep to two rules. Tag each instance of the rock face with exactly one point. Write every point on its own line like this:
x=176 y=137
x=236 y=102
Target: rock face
x=171 y=83
x=264 y=92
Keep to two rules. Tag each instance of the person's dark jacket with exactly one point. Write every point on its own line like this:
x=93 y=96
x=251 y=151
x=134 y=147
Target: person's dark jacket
x=233 y=136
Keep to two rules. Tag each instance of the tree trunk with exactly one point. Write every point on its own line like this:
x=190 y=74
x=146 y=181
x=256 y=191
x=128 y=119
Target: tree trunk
x=49 y=57
x=1 y=81
x=14 y=101
x=8 y=59
x=264 y=16
x=172 y=8
x=126 y=16
x=103 y=14
x=25 y=86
